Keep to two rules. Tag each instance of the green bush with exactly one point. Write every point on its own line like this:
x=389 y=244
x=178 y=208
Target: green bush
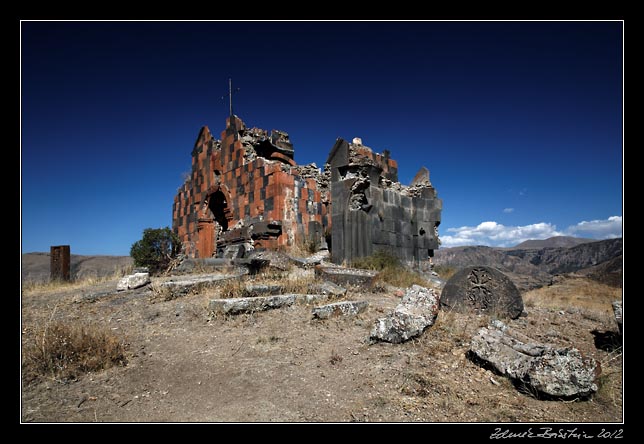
x=156 y=249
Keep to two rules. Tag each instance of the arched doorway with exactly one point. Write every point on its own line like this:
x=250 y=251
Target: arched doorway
x=218 y=205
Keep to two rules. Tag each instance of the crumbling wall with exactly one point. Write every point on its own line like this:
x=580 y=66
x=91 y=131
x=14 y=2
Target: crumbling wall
x=247 y=190
x=372 y=211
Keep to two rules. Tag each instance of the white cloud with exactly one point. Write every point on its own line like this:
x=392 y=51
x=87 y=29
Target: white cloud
x=499 y=235
x=508 y=210
x=598 y=229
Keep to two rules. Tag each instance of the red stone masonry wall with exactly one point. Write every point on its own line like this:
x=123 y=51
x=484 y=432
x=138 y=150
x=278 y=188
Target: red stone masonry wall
x=251 y=188
x=388 y=165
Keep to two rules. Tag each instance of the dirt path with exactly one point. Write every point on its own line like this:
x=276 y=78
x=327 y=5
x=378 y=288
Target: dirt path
x=281 y=365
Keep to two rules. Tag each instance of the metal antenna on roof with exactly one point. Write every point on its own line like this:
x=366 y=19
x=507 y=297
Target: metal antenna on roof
x=230 y=94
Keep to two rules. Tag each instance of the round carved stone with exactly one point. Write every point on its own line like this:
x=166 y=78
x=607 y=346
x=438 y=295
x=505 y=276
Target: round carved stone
x=482 y=290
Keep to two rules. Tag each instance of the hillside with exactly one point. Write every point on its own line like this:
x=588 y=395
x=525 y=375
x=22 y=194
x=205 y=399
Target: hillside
x=551 y=242
x=35 y=266
x=532 y=268
x=185 y=363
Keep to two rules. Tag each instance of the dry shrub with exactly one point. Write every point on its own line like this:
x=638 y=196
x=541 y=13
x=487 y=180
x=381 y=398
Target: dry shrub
x=233 y=288
x=335 y=358
x=445 y=271
x=65 y=351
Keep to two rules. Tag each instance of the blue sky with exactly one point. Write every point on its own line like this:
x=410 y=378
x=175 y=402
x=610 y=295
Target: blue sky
x=519 y=123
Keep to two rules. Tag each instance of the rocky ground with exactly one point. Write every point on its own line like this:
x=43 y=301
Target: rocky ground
x=185 y=364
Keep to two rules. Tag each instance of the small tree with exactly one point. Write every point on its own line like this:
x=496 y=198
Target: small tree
x=157 y=248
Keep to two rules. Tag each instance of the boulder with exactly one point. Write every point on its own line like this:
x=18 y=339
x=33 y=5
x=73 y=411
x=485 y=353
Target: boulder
x=544 y=369
x=482 y=290
x=132 y=281
x=617 y=309
x=417 y=311
x=344 y=308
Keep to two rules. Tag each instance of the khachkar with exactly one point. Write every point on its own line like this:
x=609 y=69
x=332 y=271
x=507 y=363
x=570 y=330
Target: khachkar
x=481 y=290
x=372 y=211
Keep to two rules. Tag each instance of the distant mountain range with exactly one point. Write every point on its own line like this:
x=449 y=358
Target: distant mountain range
x=534 y=263
x=552 y=242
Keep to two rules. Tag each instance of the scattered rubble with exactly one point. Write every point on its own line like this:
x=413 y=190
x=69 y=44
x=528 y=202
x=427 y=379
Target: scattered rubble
x=133 y=281
x=482 y=289
x=310 y=261
x=344 y=308
x=543 y=369
x=417 y=311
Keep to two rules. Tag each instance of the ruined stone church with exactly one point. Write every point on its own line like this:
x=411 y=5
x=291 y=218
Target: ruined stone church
x=245 y=192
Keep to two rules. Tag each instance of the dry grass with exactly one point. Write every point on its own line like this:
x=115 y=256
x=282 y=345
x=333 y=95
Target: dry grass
x=38 y=287
x=609 y=382
x=239 y=288
x=580 y=293
x=391 y=271
x=445 y=271
x=64 y=351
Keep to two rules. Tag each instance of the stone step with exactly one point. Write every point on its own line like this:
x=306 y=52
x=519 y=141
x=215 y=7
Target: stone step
x=234 y=306
x=346 y=276
x=179 y=286
x=343 y=308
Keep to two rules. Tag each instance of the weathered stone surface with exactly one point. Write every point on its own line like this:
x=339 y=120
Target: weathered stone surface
x=344 y=308
x=559 y=373
x=328 y=288
x=346 y=276
x=372 y=211
x=617 y=309
x=416 y=311
x=261 y=303
x=310 y=261
x=482 y=290
x=132 y=281
x=262 y=289
x=245 y=305
x=191 y=265
x=436 y=281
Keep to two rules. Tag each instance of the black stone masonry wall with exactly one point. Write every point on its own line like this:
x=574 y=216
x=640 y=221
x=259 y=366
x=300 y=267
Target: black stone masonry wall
x=369 y=212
